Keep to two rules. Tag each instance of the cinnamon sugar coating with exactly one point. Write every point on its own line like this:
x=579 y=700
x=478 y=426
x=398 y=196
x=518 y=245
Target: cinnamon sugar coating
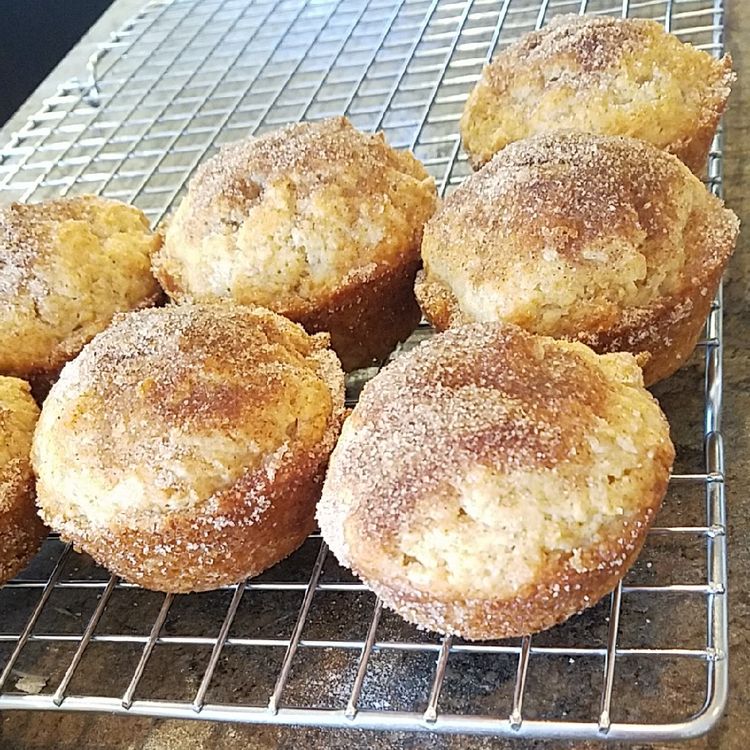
x=185 y=447
x=21 y=530
x=66 y=267
x=316 y=221
x=603 y=75
x=491 y=483
x=601 y=239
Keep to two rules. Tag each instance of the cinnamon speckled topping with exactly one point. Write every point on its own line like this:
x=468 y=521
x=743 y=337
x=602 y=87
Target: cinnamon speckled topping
x=599 y=74
x=592 y=43
x=66 y=266
x=569 y=191
x=162 y=351
x=487 y=394
x=308 y=154
x=24 y=230
x=602 y=239
x=15 y=475
x=490 y=482
x=159 y=383
x=21 y=531
x=27 y=232
x=159 y=350
x=184 y=447
x=580 y=51
x=18 y=414
x=13 y=478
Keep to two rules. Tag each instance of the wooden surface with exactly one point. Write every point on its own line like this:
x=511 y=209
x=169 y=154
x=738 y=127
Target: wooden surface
x=67 y=731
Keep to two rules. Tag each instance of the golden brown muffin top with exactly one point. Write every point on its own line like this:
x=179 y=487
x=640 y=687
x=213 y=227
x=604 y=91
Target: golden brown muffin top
x=577 y=49
x=487 y=449
x=288 y=218
x=312 y=155
x=66 y=266
x=29 y=233
x=565 y=230
x=598 y=74
x=490 y=394
x=168 y=407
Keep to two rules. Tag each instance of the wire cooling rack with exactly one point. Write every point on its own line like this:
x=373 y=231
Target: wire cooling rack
x=305 y=643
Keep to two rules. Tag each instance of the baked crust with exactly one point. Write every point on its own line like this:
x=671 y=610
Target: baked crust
x=559 y=594
x=603 y=75
x=185 y=447
x=316 y=221
x=667 y=333
x=598 y=239
x=491 y=483
x=66 y=267
x=199 y=551
x=21 y=530
x=368 y=318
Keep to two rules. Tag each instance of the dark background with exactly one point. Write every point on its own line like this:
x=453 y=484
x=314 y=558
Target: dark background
x=34 y=36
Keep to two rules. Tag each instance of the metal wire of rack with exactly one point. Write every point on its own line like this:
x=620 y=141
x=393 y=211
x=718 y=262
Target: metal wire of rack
x=305 y=643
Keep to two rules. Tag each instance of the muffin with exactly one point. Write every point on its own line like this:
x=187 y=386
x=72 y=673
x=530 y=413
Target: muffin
x=66 y=267
x=604 y=75
x=491 y=483
x=184 y=448
x=601 y=239
x=21 y=531
x=316 y=221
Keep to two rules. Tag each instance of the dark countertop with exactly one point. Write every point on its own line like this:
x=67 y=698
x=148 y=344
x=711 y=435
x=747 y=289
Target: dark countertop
x=45 y=730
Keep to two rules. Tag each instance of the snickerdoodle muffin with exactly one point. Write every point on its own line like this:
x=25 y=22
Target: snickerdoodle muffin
x=601 y=239
x=184 y=448
x=491 y=483
x=316 y=221
x=600 y=74
x=66 y=267
x=21 y=531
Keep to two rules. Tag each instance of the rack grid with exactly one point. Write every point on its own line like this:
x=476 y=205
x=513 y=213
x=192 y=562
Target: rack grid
x=305 y=643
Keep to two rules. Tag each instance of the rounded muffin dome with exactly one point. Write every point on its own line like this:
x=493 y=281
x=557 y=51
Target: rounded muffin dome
x=21 y=531
x=66 y=267
x=316 y=221
x=185 y=447
x=491 y=483
x=599 y=74
x=602 y=239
